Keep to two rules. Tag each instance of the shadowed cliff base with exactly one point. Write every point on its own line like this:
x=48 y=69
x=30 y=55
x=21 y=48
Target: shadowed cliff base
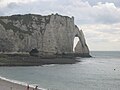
x=27 y=60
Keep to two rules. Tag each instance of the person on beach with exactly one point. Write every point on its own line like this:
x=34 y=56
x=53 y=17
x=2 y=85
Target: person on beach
x=10 y=88
x=36 y=88
x=28 y=87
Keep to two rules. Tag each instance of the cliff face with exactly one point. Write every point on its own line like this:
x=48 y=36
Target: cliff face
x=52 y=34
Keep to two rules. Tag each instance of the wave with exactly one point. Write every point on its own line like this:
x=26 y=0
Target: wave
x=19 y=83
x=49 y=65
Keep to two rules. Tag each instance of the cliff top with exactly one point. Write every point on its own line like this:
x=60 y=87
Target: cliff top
x=20 y=16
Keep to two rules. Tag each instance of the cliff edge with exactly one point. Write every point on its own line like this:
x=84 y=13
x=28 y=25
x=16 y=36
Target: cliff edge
x=51 y=35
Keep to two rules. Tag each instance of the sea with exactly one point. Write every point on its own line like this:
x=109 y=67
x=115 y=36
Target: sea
x=101 y=72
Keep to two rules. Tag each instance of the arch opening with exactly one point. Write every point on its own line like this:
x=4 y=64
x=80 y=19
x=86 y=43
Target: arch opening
x=76 y=39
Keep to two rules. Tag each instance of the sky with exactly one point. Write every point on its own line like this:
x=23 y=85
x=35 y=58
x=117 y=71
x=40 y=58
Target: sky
x=99 y=19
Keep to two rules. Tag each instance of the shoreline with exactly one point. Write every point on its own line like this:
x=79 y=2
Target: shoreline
x=7 y=84
x=27 y=60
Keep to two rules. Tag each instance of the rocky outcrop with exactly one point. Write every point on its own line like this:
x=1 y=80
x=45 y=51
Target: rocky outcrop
x=50 y=35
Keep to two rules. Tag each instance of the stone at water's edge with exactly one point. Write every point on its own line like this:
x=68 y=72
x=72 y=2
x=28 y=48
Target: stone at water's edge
x=50 y=35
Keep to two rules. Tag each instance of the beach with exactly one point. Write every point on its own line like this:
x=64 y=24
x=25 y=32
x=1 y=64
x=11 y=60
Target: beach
x=11 y=85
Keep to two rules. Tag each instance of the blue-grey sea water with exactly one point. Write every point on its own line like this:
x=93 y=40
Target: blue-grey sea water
x=102 y=72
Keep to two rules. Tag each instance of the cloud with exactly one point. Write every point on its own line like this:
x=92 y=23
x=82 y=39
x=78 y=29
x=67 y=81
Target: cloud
x=96 y=31
x=106 y=13
x=102 y=37
x=4 y=3
x=94 y=2
x=84 y=12
x=100 y=13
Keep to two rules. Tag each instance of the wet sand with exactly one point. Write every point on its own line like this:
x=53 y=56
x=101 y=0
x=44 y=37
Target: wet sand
x=8 y=85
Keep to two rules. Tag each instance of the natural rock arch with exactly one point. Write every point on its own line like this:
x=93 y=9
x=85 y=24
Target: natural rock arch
x=50 y=34
x=75 y=41
x=81 y=47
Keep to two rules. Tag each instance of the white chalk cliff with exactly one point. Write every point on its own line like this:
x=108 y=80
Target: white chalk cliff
x=52 y=34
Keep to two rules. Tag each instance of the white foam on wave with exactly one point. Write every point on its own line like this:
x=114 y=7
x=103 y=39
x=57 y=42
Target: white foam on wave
x=20 y=83
x=49 y=65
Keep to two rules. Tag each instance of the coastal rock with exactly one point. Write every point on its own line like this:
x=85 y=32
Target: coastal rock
x=50 y=35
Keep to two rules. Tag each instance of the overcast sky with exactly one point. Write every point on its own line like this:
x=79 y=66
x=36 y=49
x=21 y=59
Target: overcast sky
x=99 y=19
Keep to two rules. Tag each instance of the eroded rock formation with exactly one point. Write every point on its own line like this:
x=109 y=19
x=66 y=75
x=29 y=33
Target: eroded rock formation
x=51 y=35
